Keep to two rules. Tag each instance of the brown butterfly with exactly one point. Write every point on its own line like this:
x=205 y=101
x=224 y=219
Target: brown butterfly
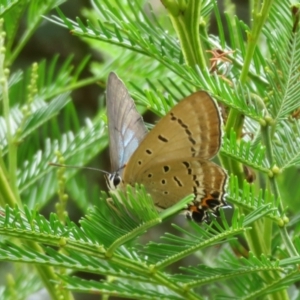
x=173 y=159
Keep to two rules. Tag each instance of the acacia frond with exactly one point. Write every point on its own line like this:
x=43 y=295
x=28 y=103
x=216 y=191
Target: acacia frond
x=76 y=149
x=287 y=144
x=243 y=152
x=247 y=198
x=284 y=47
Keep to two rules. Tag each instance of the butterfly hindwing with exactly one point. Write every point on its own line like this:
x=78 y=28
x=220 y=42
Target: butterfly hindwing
x=170 y=181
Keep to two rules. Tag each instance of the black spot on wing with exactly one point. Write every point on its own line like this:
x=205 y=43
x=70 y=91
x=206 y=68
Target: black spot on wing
x=177 y=181
x=163 y=139
x=166 y=169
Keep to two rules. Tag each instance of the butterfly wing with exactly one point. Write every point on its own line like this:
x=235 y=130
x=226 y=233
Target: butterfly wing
x=192 y=128
x=172 y=161
x=125 y=125
x=170 y=181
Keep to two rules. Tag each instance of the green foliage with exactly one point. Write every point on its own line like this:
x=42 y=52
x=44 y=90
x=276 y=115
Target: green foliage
x=250 y=252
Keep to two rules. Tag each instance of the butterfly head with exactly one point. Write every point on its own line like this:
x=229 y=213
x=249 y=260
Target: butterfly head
x=113 y=180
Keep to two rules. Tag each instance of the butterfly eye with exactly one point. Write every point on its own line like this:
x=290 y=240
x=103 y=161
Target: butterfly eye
x=116 y=180
x=113 y=180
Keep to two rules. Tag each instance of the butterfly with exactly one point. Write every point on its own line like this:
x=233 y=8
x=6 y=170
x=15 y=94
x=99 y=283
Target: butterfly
x=173 y=159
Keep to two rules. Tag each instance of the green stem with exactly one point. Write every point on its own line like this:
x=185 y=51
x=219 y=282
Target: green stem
x=10 y=187
x=33 y=25
x=259 y=294
x=7 y=195
x=12 y=147
x=177 y=257
x=256 y=239
x=275 y=190
x=235 y=119
x=77 y=85
x=185 y=17
x=47 y=274
x=158 y=277
x=259 y=238
x=131 y=235
x=185 y=292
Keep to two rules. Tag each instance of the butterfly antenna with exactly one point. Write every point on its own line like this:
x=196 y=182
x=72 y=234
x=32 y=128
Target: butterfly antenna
x=77 y=167
x=122 y=167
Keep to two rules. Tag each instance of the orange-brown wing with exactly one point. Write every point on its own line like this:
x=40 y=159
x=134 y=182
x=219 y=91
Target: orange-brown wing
x=191 y=129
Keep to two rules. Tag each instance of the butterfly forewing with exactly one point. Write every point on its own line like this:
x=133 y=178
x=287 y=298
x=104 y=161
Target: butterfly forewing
x=191 y=129
x=197 y=118
x=125 y=125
